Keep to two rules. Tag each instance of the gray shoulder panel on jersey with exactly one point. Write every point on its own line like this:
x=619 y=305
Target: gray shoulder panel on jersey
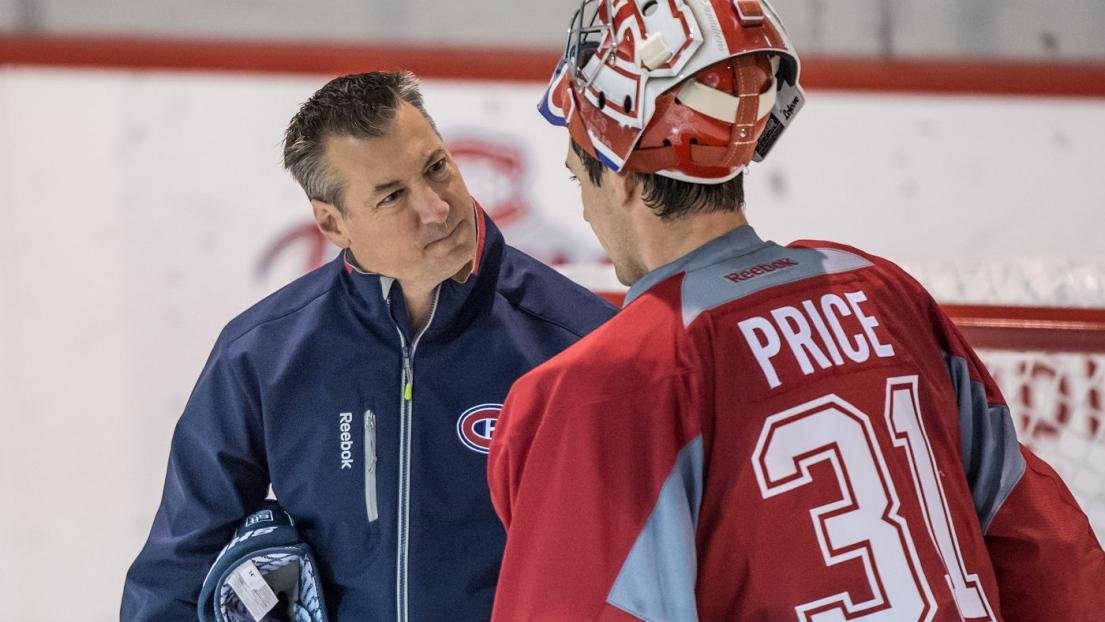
x=739 y=241
x=991 y=454
x=658 y=578
x=734 y=278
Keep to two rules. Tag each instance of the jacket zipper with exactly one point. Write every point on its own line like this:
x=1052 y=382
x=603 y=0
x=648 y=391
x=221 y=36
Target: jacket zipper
x=371 y=503
x=406 y=409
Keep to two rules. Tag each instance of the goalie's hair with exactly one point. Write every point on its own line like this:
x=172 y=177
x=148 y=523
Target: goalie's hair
x=671 y=198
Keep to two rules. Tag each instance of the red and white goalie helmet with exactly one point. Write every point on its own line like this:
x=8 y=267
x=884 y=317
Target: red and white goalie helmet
x=688 y=89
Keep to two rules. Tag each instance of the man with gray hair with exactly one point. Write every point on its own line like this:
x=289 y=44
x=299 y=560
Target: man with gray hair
x=366 y=392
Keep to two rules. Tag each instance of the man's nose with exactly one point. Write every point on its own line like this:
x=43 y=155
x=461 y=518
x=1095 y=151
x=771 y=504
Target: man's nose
x=432 y=208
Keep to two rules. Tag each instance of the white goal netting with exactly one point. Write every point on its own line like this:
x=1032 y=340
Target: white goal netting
x=1055 y=396
x=1056 y=401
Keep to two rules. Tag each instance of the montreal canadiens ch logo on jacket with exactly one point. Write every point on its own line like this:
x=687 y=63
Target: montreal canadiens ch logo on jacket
x=476 y=425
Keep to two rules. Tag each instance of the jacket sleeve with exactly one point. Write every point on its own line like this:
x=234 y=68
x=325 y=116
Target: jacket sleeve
x=1047 y=560
x=216 y=476
x=599 y=488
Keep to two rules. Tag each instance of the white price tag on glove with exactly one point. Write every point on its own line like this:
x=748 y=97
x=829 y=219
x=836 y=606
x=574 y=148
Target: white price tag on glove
x=248 y=583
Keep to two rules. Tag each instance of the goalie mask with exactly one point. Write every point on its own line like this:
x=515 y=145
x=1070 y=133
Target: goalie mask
x=265 y=574
x=688 y=89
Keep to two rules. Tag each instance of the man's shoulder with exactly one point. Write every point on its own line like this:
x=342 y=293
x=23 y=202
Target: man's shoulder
x=642 y=343
x=840 y=249
x=285 y=302
x=774 y=271
x=887 y=268
x=542 y=292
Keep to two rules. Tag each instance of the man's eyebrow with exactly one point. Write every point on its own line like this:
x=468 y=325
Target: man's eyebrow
x=387 y=185
x=435 y=155
x=395 y=183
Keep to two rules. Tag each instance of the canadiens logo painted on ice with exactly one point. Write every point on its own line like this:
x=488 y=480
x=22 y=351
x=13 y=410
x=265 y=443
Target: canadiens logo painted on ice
x=476 y=425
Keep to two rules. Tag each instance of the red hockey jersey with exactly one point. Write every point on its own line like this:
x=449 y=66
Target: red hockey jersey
x=779 y=433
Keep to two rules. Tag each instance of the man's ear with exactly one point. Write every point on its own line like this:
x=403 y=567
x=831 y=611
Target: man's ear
x=625 y=185
x=331 y=223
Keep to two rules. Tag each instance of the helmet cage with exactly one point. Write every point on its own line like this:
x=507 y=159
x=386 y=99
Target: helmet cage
x=581 y=36
x=616 y=46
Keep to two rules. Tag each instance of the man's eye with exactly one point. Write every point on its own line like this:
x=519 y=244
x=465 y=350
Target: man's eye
x=573 y=179
x=437 y=167
x=391 y=198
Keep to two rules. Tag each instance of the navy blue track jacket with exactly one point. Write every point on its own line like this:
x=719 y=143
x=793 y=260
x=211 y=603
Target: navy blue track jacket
x=372 y=437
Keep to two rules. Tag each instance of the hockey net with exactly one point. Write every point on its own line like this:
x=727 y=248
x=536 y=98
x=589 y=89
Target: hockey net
x=1049 y=363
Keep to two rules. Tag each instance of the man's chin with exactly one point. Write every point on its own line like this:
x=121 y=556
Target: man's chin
x=628 y=274
x=453 y=262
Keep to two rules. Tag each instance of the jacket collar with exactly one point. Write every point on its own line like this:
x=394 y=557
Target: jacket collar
x=739 y=241
x=377 y=293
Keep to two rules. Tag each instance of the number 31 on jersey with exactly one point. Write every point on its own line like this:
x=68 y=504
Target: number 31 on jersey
x=872 y=530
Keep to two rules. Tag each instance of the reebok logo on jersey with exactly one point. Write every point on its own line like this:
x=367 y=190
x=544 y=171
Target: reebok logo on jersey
x=764 y=268
x=345 y=439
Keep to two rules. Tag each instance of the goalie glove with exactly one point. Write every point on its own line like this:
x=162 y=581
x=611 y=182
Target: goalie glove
x=265 y=574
